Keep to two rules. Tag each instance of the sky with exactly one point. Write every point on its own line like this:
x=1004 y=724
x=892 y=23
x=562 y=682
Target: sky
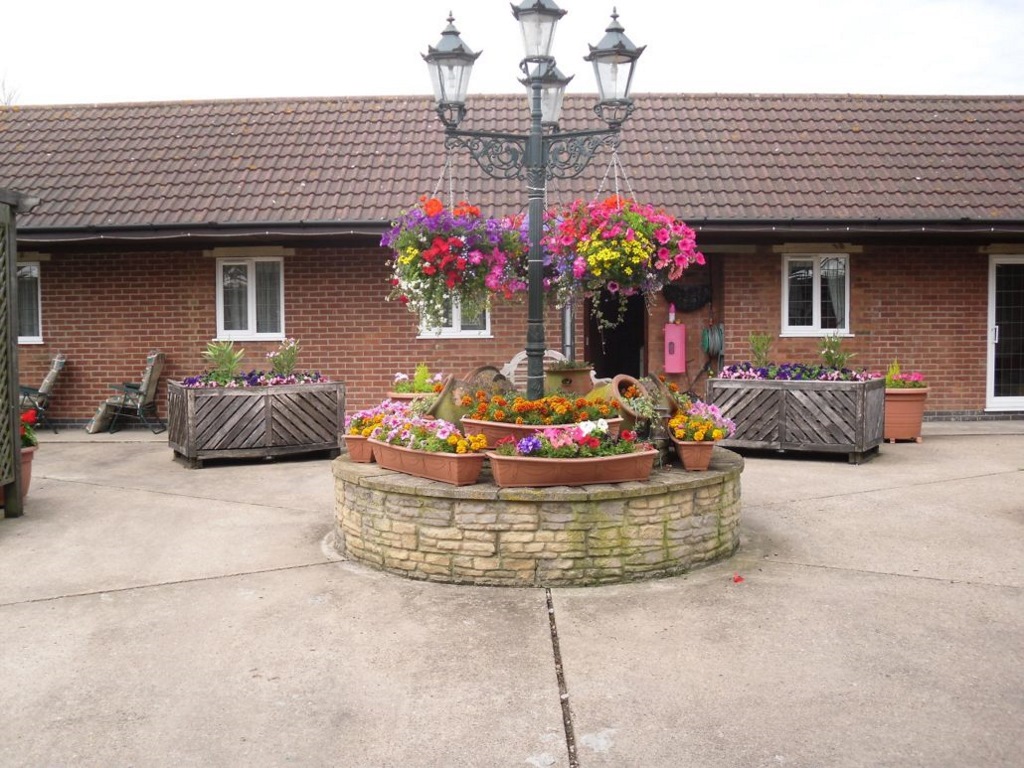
x=97 y=51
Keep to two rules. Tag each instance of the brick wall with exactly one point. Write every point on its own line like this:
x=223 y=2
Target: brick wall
x=925 y=305
x=106 y=310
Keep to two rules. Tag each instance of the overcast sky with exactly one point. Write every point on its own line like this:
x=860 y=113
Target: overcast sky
x=79 y=51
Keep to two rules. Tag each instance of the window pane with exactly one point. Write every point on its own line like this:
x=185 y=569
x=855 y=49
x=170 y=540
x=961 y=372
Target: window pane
x=801 y=293
x=235 y=295
x=477 y=323
x=28 y=301
x=268 y=297
x=833 y=293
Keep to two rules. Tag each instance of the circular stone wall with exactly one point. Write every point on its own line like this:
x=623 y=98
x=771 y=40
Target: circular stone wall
x=537 y=537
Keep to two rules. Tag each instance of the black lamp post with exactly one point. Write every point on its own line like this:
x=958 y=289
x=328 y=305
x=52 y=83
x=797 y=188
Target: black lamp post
x=539 y=155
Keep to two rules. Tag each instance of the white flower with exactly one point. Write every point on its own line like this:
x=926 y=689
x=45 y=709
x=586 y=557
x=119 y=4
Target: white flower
x=586 y=427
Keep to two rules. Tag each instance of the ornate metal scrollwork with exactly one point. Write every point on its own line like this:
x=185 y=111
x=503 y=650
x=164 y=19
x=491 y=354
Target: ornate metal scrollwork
x=568 y=154
x=503 y=156
x=500 y=156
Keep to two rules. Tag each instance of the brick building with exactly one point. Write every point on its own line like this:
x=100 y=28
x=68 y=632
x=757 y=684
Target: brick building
x=898 y=221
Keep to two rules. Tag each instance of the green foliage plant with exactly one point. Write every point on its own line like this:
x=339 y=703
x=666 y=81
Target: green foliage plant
x=832 y=353
x=224 y=359
x=284 y=358
x=760 y=346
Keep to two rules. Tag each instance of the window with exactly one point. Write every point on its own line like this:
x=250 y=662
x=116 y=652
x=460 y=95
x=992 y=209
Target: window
x=30 y=323
x=250 y=298
x=460 y=326
x=816 y=294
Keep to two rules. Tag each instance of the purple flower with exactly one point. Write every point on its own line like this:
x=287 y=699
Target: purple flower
x=528 y=445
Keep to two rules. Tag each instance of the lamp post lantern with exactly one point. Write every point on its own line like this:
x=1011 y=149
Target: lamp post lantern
x=540 y=154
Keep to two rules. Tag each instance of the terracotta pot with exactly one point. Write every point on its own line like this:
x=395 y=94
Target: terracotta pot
x=27 y=454
x=532 y=471
x=359 y=448
x=904 y=412
x=576 y=381
x=694 y=455
x=497 y=430
x=451 y=468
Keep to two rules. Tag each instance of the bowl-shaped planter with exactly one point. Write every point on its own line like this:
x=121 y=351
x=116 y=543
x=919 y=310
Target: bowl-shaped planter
x=451 y=468
x=812 y=416
x=254 y=422
x=498 y=430
x=535 y=471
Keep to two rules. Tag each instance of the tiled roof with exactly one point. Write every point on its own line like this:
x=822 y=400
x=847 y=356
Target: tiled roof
x=719 y=158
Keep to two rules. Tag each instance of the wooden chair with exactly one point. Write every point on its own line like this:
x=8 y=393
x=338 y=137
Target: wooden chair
x=40 y=398
x=138 y=401
x=515 y=369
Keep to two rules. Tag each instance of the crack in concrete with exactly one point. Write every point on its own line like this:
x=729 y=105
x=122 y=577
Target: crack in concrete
x=156 y=584
x=563 y=690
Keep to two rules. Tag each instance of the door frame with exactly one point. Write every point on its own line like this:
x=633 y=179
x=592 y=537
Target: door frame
x=993 y=403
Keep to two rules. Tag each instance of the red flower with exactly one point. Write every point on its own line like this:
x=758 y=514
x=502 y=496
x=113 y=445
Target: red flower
x=29 y=416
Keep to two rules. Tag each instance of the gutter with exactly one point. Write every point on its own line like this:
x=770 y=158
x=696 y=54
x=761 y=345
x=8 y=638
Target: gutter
x=202 y=232
x=708 y=230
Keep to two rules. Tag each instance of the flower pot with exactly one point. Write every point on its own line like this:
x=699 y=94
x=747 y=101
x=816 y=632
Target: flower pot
x=533 y=471
x=359 y=448
x=451 y=468
x=27 y=454
x=576 y=381
x=695 y=456
x=498 y=430
x=904 y=412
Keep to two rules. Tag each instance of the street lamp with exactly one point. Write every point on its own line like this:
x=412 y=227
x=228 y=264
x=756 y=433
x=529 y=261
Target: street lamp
x=538 y=155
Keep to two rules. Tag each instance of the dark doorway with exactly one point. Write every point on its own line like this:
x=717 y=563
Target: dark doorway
x=622 y=349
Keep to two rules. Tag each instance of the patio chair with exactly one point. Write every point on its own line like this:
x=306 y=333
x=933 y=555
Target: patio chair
x=138 y=401
x=515 y=369
x=40 y=398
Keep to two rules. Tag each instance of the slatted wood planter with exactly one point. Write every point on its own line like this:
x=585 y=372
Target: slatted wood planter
x=813 y=416
x=254 y=422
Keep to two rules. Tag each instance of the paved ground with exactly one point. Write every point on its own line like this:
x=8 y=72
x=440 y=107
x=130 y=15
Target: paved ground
x=152 y=615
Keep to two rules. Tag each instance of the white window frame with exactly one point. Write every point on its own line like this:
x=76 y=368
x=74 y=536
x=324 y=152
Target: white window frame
x=815 y=328
x=39 y=305
x=455 y=330
x=248 y=335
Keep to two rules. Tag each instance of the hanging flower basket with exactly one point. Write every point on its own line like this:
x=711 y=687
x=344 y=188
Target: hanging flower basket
x=443 y=256
x=615 y=248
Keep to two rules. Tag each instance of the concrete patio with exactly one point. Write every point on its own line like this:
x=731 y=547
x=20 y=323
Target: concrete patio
x=152 y=615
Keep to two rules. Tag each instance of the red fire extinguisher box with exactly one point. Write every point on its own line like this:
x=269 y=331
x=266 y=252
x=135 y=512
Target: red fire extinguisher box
x=675 y=348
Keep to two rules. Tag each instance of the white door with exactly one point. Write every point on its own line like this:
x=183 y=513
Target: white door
x=1005 y=334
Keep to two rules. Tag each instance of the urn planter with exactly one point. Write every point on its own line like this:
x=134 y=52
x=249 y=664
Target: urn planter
x=904 y=412
x=577 y=381
x=451 y=468
x=254 y=422
x=536 y=471
x=809 y=416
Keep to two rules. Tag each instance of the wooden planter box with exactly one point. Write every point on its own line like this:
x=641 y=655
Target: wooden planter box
x=254 y=422
x=814 y=416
